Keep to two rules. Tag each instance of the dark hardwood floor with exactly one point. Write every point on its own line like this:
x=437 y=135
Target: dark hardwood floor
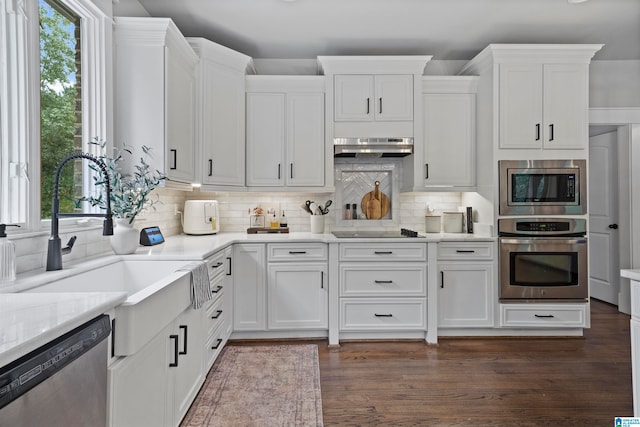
x=483 y=382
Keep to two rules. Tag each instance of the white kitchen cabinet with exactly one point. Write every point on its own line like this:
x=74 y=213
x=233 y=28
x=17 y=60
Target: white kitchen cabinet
x=217 y=312
x=156 y=385
x=635 y=339
x=373 y=98
x=552 y=315
x=249 y=287
x=285 y=133
x=155 y=93
x=543 y=105
x=220 y=113
x=449 y=129
x=466 y=288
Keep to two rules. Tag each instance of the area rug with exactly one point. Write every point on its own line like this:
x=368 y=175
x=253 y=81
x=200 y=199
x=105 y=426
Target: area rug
x=275 y=385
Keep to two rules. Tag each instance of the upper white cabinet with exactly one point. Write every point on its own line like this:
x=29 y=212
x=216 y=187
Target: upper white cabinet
x=449 y=129
x=285 y=132
x=373 y=97
x=220 y=114
x=544 y=105
x=155 y=93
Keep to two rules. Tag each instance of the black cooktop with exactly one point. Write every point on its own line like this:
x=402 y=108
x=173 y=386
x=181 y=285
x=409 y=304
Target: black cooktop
x=375 y=234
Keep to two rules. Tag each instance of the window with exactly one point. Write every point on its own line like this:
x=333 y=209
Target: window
x=20 y=101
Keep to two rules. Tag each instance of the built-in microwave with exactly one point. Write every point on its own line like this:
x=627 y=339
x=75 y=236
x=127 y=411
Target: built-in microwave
x=543 y=187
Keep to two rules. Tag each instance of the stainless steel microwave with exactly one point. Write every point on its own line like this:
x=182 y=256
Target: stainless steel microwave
x=543 y=187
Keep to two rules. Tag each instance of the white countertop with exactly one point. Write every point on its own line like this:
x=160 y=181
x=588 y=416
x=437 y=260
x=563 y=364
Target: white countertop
x=29 y=320
x=630 y=274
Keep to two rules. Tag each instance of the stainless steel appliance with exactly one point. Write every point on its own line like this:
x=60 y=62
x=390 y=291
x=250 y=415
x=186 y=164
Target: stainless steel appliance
x=372 y=147
x=543 y=187
x=61 y=384
x=543 y=259
x=375 y=234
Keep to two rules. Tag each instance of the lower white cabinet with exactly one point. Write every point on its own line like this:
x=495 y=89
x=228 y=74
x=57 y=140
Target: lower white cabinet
x=465 y=295
x=156 y=385
x=552 y=315
x=249 y=287
x=635 y=364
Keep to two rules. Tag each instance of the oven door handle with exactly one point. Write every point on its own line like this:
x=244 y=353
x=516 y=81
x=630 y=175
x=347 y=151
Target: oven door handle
x=542 y=240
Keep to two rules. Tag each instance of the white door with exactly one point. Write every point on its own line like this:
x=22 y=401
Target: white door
x=603 y=216
x=305 y=139
x=353 y=98
x=265 y=139
x=393 y=97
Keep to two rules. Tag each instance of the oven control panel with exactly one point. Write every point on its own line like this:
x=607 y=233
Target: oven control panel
x=542 y=227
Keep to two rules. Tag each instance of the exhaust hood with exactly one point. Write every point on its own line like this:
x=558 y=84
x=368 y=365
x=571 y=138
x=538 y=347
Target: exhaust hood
x=372 y=147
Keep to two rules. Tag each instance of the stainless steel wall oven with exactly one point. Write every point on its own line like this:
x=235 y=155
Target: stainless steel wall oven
x=543 y=187
x=543 y=259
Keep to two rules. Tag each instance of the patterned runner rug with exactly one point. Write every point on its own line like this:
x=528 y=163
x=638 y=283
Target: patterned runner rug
x=260 y=386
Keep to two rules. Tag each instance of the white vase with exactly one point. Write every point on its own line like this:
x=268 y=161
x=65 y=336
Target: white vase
x=126 y=237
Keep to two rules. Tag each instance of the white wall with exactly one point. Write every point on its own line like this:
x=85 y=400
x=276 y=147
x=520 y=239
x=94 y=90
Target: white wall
x=614 y=84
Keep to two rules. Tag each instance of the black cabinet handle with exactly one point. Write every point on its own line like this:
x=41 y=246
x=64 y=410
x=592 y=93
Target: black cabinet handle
x=297 y=252
x=442 y=279
x=537 y=131
x=367 y=105
x=210 y=167
x=113 y=337
x=465 y=251
x=380 y=105
x=217 y=315
x=291 y=171
x=382 y=315
x=175 y=351
x=426 y=171
x=551 y=132
x=383 y=281
x=175 y=159
x=544 y=316
x=613 y=226
x=383 y=252
x=279 y=170
x=229 y=273
x=218 y=342
x=217 y=289
x=217 y=265
x=184 y=343
x=322 y=280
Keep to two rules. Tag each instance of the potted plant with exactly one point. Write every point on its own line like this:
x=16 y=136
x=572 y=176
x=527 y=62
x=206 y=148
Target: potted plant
x=130 y=193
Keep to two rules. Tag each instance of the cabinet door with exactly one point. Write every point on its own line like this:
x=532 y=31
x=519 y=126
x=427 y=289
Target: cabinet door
x=353 y=98
x=566 y=106
x=393 y=98
x=449 y=138
x=222 y=125
x=249 y=290
x=265 y=139
x=297 y=296
x=520 y=106
x=180 y=117
x=635 y=364
x=138 y=385
x=305 y=139
x=465 y=295
x=188 y=376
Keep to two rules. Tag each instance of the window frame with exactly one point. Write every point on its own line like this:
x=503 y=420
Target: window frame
x=20 y=99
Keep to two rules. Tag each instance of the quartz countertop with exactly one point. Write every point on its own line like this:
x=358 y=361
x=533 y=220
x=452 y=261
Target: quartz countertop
x=630 y=274
x=28 y=321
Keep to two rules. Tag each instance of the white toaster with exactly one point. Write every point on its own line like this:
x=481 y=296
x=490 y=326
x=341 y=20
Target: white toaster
x=201 y=217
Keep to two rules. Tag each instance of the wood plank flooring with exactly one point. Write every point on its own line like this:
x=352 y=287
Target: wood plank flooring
x=483 y=382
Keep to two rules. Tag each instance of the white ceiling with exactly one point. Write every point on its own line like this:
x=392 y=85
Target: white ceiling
x=446 y=29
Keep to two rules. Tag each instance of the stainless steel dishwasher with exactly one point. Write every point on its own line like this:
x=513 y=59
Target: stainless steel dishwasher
x=62 y=383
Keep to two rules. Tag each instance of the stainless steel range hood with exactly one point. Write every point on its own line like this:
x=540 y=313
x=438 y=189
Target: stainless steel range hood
x=372 y=147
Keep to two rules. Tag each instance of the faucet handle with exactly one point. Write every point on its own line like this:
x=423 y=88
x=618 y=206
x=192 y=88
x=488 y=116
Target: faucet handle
x=67 y=249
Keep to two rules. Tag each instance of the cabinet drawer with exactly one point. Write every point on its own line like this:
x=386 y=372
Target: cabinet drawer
x=543 y=315
x=213 y=346
x=296 y=252
x=216 y=267
x=215 y=315
x=381 y=252
x=375 y=314
x=466 y=250
x=398 y=279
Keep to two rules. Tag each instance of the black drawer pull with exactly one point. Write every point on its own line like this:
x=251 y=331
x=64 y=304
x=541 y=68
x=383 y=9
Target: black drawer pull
x=175 y=351
x=218 y=342
x=229 y=273
x=184 y=344
x=218 y=313
x=219 y=264
x=217 y=289
x=383 y=281
x=175 y=159
x=465 y=251
x=383 y=252
x=383 y=315
x=544 y=316
x=297 y=252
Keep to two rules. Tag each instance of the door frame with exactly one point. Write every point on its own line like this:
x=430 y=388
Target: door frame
x=628 y=122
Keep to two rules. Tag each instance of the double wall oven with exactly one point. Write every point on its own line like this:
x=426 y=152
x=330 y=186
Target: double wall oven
x=543 y=257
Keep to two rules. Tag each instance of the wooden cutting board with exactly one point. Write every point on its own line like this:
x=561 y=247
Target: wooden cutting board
x=375 y=204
